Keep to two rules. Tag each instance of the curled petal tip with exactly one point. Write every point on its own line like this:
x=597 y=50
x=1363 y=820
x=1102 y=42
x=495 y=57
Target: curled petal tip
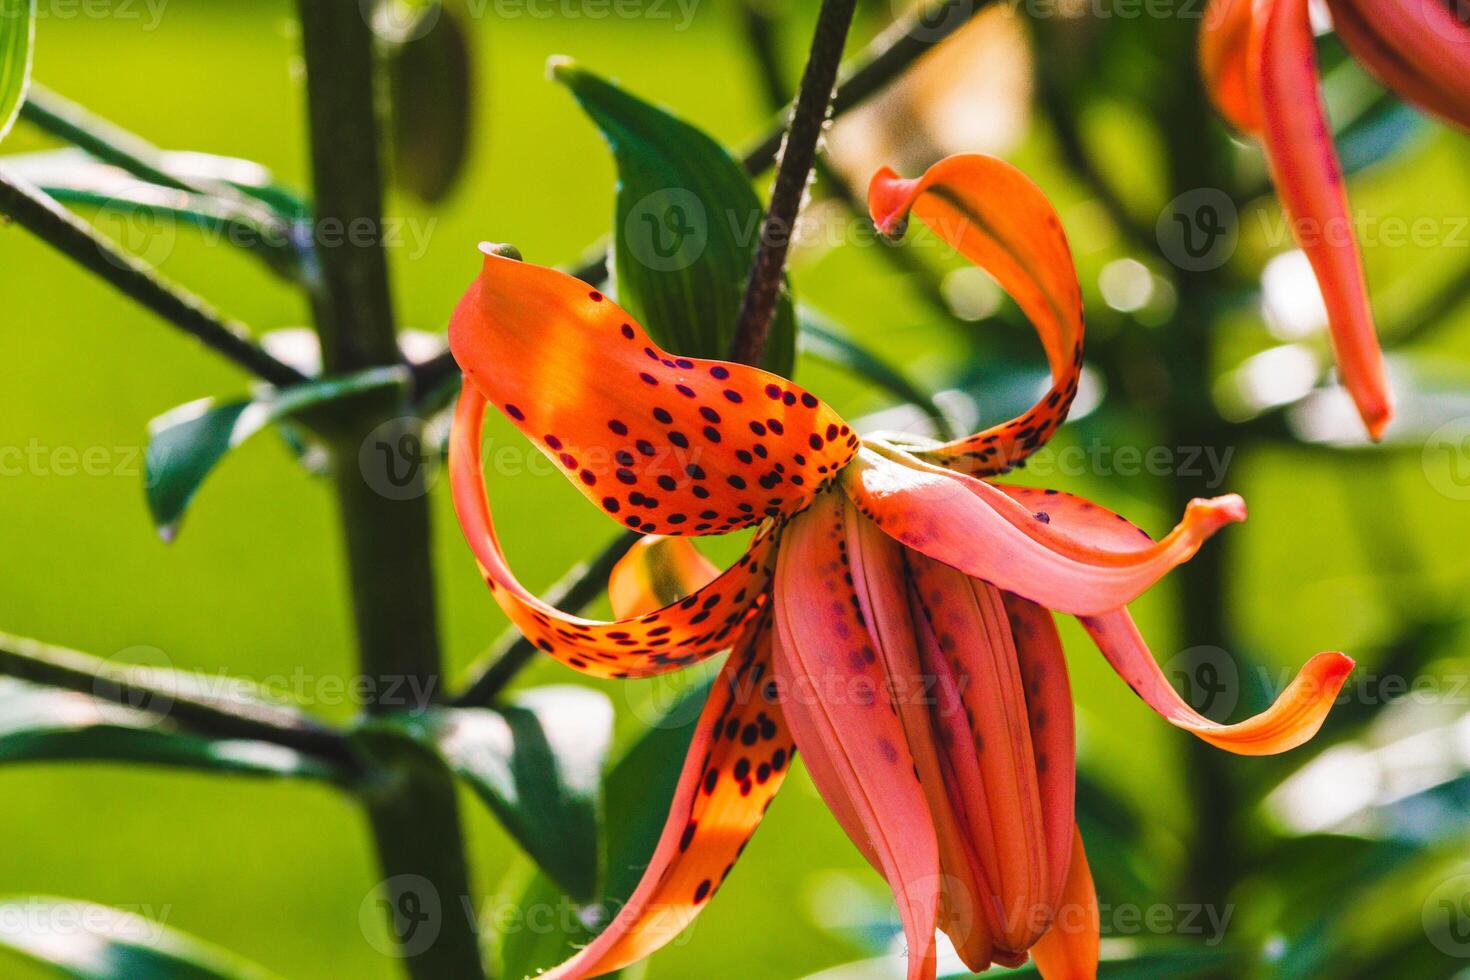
x=1378 y=421
x=501 y=250
x=1217 y=511
x=889 y=199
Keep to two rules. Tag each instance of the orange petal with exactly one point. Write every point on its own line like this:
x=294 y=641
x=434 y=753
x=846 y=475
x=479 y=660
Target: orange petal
x=1292 y=720
x=736 y=762
x=637 y=646
x=1308 y=178
x=1224 y=55
x=664 y=444
x=981 y=717
x=836 y=695
x=998 y=219
x=1418 y=48
x=981 y=530
x=881 y=590
x=1069 y=949
x=658 y=571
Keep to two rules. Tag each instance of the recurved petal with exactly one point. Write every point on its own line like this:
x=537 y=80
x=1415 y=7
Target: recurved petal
x=1069 y=949
x=736 y=762
x=1292 y=720
x=986 y=533
x=1224 y=55
x=695 y=627
x=1418 y=48
x=664 y=444
x=836 y=695
x=1309 y=181
x=657 y=571
x=998 y=219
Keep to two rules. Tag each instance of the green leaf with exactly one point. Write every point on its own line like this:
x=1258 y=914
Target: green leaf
x=186 y=443
x=687 y=225
x=537 y=762
x=43 y=724
x=639 y=789
x=17 y=40
x=95 y=942
x=432 y=85
x=824 y=339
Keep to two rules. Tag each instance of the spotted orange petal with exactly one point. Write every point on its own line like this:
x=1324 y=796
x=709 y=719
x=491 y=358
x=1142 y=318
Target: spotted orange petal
x=1069 y=949
x=997 y=218
x=1292 y=720
x=657 y=571
x=664 y=444
x=1309 y=180
x=1418 y=48
x=836 y=695
x=681 y=633
x=983 y=531
x=736 y=762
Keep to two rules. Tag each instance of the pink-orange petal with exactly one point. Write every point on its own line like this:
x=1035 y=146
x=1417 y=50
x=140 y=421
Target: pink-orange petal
x=977 y=528
x=736 y=762
x=1418 y=48
x=997 y=218
x=1291 y=720
x=696 y=627
x=1309 y=181
x=1069 y=949
x=1224 y=55
x=662 y=443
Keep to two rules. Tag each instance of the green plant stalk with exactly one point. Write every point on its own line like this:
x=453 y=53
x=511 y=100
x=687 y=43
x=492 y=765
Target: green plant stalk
x=415 y=819
x=43 y=217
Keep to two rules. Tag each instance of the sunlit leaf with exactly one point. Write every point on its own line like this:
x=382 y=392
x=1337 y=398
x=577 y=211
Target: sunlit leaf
x=43 y=724
x=17 y=39
x=94 y=942
x=537 y=762
x=186 y=443
x=686 y=227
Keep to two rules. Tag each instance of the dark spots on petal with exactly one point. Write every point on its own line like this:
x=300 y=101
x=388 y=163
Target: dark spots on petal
x=619 y=428
x=611 y=505
x=661 y=415
x=515 y=413
x=595 y=296
x=719 y=372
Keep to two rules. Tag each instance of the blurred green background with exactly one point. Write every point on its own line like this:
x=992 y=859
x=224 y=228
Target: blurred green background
x=1345 y=549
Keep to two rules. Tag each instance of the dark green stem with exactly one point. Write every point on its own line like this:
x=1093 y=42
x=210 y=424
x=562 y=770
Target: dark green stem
x=43 y=217
x=798 y=153
x=228 y=715
x=573 y=592
x=415 y=819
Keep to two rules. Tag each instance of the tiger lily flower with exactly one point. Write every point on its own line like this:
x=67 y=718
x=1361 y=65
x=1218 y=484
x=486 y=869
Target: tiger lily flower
x=891 y=618
x=1260 y=66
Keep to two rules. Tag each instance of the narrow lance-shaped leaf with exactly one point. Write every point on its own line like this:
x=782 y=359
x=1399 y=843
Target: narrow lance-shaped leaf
x=42 y=724
x=686 y=227
x=94 y=942
x=537 y=762
x=640 y=789
x=186 y=443
x=17 y=39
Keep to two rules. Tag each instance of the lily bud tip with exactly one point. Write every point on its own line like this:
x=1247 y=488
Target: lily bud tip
x=502 y=250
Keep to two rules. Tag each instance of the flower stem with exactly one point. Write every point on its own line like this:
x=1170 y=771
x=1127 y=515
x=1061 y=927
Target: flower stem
x=42 y=216
x=415 y=820
x=799 y=152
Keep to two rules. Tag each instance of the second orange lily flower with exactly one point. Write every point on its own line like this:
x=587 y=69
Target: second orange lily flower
x=892 y=617
x=1260 y=64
